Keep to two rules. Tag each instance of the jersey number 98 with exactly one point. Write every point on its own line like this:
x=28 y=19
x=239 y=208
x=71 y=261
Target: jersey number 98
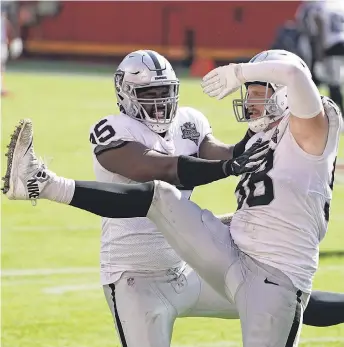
x=246 y=188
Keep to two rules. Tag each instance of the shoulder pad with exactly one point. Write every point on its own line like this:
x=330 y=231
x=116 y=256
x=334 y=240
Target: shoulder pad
x=111 y=129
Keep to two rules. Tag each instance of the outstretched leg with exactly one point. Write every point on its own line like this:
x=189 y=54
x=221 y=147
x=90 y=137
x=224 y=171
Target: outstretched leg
x=197 y=235
x=200 y=234
x=28 y=179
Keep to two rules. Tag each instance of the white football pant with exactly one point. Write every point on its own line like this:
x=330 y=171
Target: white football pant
x=269 y=306
x=145 y=305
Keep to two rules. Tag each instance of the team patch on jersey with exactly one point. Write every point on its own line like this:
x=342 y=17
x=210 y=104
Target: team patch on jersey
x=190 y=132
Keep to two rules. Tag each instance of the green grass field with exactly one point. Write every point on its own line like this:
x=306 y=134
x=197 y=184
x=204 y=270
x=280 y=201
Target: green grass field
x=51 y=296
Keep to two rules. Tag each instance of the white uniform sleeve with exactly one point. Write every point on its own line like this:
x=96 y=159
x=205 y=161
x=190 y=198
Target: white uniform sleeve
x=303 y=95
x=109 y=133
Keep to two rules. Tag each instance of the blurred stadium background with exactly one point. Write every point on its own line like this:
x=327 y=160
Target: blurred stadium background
x=51 y=296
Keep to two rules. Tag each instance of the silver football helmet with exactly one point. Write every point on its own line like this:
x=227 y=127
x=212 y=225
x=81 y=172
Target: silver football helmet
x=147 y=89
x=276 y=106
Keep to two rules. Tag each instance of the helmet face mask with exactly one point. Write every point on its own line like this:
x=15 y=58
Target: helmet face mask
x=157 y=104
x=267 y=108
x=275 y=104
x=147 y=89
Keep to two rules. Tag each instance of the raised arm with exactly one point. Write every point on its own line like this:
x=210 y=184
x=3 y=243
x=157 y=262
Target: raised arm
x=308 y=123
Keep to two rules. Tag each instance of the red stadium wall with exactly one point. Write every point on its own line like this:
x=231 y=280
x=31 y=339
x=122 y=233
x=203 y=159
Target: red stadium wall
x=222 y=29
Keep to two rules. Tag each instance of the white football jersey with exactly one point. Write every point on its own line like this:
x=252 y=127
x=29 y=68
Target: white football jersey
x=305 y=18
x=332 y=13
x=283 y=208
x=134 y=243
x=333 y=16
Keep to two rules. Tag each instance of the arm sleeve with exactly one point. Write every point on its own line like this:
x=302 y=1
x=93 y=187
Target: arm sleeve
x=303 y=96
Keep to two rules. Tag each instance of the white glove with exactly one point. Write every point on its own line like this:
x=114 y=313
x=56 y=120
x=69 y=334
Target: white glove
x=16 y=47
x=222 y=81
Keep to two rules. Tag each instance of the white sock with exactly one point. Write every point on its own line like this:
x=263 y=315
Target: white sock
x=59 y=189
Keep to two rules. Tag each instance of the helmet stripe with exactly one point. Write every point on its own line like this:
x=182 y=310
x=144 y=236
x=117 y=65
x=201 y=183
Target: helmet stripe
x=155 y=62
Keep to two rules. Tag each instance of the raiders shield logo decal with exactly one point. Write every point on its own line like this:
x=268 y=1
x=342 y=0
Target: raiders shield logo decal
x=190 y=132
x=118 y=80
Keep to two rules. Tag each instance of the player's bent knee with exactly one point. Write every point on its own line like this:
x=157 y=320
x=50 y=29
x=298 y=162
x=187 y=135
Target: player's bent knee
x=165 y=194
x=165 y=205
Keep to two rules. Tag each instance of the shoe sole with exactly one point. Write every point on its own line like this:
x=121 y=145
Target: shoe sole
x=9 y=184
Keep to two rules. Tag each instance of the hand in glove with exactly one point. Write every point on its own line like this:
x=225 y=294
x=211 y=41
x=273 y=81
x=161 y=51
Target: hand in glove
x=249 y=161
x=222 y=81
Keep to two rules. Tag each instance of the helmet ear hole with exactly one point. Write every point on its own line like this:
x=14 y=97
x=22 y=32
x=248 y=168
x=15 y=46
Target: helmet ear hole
x=126 y=88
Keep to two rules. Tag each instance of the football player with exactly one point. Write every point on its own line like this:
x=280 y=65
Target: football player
x=146 y=127
x=11 y=43
x=323 y=22
x=283 y=208
x=138 y=266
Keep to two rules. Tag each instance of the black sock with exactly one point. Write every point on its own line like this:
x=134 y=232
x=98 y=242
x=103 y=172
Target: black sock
x=113 y=200
x=337 y=97
x=324 y=309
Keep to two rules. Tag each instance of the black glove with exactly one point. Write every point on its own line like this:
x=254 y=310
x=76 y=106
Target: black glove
x=249 y=161
x=193 y=172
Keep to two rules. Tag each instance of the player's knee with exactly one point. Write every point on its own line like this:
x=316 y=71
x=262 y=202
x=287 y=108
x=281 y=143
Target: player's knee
x=165 y=197
x=165 y=193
